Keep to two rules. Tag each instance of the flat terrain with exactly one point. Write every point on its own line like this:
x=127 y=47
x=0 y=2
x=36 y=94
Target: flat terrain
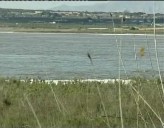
x=77 y=104
x=83 y=30
x=79 y=28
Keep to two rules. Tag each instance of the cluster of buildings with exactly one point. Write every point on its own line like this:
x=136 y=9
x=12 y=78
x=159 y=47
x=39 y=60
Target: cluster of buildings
x=50 y=16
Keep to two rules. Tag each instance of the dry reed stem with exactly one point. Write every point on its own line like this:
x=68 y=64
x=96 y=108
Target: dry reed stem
x=151 y=120
x=148 y=105
x=116 y=40
x=108 y=124
x=120 y=59
x=156 y=51
x=33 y=111
x=120 y=101
x=138 y=109
x=56 y=98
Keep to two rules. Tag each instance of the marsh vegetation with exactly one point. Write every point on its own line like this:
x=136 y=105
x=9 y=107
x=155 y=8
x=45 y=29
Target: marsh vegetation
x=80 y=104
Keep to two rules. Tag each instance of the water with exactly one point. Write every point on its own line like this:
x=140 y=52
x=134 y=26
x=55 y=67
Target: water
x=64 y=56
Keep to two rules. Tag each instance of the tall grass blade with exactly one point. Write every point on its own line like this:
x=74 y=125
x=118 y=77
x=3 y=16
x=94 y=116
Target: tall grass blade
x=156 y=51
x=116 y=40
x=33 y=111
x=120 y=101
x=148 y=105
x=103 y=105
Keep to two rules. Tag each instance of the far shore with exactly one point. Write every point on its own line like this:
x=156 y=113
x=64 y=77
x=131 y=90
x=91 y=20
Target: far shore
x=103 y=34
x=83 y=30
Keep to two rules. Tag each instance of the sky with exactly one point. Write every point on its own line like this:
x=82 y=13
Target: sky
x=105 y=6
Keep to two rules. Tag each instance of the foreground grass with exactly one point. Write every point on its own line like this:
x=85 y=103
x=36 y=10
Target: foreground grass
x=77 y=104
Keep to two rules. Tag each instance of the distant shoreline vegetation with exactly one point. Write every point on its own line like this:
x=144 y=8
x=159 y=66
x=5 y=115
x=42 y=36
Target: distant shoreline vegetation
x=83 y=30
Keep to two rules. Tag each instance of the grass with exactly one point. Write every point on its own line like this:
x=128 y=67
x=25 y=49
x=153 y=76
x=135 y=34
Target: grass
x=77 y=28
x=78 y=104
x=84 y=30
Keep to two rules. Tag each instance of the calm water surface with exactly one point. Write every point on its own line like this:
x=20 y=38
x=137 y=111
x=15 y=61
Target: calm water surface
x=64 y=56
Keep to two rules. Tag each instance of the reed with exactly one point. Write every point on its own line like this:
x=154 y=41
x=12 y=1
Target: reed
x=86 y=105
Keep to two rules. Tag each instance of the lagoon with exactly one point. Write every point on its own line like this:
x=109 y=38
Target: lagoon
x=64 y=56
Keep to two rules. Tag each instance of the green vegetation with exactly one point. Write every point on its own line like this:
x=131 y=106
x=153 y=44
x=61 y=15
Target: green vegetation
x=77 y=28
x=133 y=28
x=77 y=104
x=19 y=20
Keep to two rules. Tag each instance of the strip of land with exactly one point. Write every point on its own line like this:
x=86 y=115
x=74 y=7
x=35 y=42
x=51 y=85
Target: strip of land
x=84 y=30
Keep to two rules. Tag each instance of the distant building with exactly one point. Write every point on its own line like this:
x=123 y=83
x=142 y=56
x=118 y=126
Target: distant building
x=53 y=22
x=38 y=12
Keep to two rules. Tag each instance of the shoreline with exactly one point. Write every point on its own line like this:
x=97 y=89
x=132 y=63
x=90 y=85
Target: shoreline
x=71 y=81
x=55 y=33
x=71 y=30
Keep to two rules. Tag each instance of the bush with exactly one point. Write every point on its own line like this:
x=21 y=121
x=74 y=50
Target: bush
x=133 y=28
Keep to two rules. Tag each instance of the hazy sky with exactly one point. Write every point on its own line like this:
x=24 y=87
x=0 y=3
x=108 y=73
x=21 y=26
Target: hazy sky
x=144 y=6
x=44 y=4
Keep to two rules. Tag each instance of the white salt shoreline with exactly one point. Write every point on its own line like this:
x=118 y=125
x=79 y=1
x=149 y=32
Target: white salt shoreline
x=86 y=80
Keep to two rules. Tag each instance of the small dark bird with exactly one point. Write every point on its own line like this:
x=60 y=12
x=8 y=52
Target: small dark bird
x=89 y=56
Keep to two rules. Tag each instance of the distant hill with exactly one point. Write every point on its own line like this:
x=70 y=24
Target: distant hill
x=132 y=6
